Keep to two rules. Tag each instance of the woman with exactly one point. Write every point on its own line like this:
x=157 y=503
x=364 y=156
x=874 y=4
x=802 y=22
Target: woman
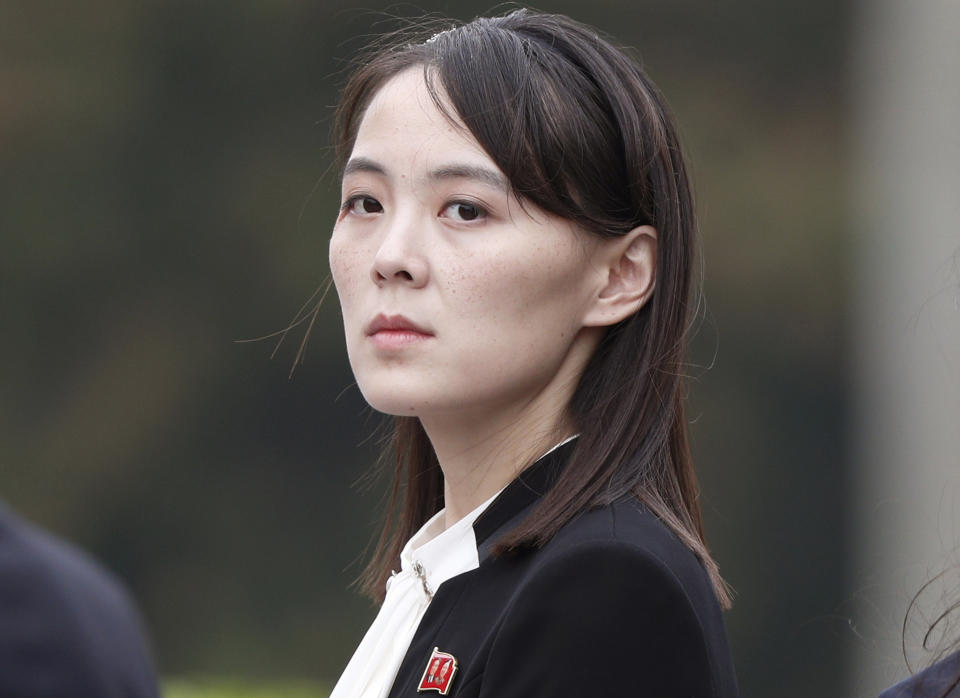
x=514 y=261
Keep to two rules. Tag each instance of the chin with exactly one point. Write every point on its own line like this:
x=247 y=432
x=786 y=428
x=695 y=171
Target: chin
x=392 y=401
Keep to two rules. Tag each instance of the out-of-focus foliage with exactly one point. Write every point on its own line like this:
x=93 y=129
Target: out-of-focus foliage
x=242 y=688
x=164 y=192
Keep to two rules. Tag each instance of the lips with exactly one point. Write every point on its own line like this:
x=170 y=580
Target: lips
x=395 y=324
x=392 y=333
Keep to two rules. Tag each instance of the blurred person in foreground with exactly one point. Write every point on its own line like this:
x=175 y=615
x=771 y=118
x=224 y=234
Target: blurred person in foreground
x=941 y=679
x=514 y=258
x=67 y=628
x=941 y=637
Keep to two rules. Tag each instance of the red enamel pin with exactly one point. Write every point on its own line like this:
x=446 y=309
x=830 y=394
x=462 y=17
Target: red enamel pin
x=438 y=676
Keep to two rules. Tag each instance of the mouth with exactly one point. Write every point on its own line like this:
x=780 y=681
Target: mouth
x=394 y=331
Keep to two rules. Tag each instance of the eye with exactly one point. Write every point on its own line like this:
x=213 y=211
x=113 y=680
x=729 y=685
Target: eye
x=362 y=205
x=464 y=211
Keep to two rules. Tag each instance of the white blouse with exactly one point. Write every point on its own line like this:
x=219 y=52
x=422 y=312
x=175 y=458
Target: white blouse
x=430 y=557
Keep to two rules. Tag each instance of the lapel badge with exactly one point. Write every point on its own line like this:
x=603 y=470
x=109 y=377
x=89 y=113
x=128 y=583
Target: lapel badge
x=438 y=676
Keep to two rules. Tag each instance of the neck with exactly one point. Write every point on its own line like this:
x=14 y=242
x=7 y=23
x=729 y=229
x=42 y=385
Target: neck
x=480 y=456
x=482 y=448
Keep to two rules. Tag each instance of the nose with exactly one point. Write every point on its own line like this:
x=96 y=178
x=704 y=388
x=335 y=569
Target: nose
x=400 y=259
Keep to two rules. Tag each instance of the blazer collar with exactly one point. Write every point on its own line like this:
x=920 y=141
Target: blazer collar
x=520 y=495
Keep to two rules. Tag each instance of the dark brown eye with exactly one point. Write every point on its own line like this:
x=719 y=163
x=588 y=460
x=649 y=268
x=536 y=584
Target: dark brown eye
x=463 y=211
x=363 y=205
x=371 y=206
x=467 y=212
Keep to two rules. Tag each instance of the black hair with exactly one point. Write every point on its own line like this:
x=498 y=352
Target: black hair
x=581 y=132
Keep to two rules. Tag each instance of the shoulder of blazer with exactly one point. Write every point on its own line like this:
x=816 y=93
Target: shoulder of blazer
x=629 y=528
x=624 y=530
x=612 y=600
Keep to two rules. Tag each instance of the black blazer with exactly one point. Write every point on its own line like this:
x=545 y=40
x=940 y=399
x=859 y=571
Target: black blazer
x=932 y=682
x=66 y=627
x=613 y=605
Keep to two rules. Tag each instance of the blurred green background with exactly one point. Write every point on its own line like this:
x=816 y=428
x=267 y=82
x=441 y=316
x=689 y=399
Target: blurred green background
x=164 y=192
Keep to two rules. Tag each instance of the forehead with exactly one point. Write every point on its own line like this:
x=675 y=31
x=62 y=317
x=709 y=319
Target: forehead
x=402 y=122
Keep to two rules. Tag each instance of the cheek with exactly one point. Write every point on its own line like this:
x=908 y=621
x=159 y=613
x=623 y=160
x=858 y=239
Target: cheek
x=536 y=292
x=345 y=266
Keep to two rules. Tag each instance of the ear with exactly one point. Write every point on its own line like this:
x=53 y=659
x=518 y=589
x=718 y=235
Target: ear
x=629 y=263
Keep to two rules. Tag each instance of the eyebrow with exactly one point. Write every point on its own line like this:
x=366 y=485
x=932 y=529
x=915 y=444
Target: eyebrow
x=480 y=174
x=452 y=171
x=362 y=164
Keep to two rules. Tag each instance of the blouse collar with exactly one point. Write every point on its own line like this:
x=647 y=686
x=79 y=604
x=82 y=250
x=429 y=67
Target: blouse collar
x=517 y=497
x=435 y=555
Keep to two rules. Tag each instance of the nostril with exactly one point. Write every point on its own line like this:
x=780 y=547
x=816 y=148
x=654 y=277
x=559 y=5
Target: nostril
x=384 y=273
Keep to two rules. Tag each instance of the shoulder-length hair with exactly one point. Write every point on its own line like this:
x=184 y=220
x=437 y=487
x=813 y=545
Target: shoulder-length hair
x=581 y=132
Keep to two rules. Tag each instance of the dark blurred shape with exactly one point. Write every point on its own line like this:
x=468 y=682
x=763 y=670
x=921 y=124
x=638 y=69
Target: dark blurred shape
x=941 y=680
x=67 y=628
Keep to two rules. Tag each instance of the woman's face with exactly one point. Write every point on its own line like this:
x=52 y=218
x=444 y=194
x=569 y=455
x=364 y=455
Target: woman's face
x=454 y=298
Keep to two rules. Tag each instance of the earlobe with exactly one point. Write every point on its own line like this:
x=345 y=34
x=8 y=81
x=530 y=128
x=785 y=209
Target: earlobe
x=629 y=262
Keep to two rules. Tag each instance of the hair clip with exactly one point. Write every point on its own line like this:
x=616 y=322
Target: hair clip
x=437 y=35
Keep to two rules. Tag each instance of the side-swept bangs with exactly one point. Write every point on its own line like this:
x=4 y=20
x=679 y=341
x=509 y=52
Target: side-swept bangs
x=540 y=107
